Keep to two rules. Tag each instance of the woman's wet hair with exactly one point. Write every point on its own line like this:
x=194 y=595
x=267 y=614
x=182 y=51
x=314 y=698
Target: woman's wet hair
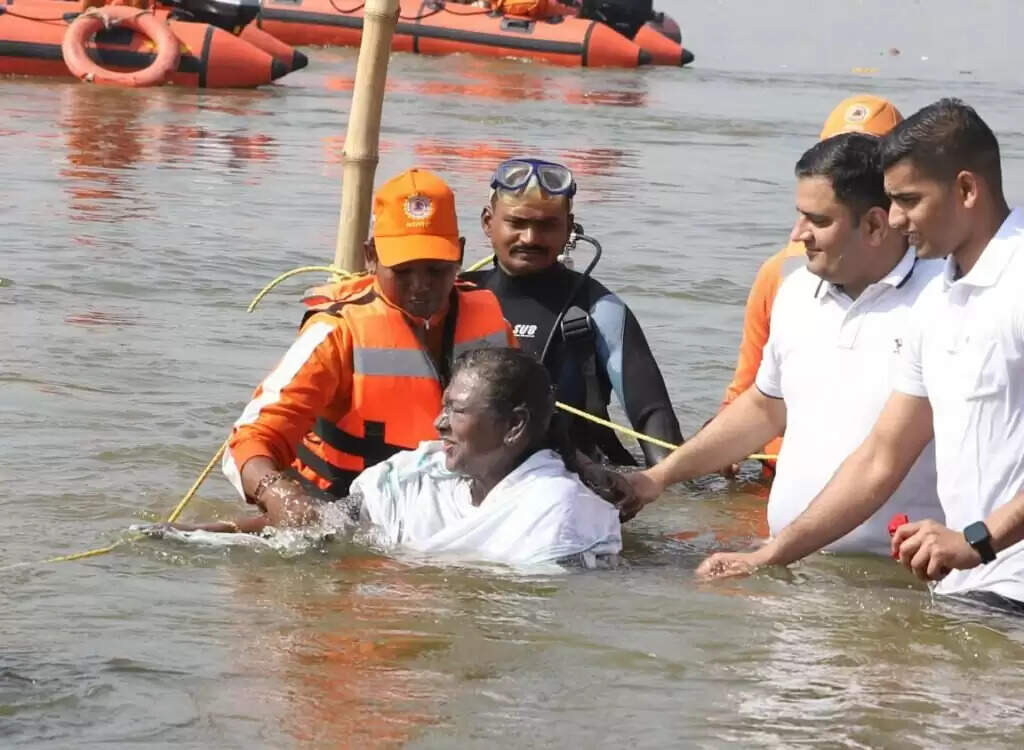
x=514 y=379
x=850 y=162
x=944 y=139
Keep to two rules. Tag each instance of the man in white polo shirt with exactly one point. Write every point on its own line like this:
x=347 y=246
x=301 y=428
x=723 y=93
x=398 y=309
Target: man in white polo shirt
x=836 y=332
x=961 y=377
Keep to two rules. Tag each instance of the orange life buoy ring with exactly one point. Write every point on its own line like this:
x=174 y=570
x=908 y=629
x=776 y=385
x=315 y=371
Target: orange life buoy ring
x=86 y=25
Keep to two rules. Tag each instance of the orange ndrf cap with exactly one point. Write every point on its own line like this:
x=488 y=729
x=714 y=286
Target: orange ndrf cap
x=414 y=219
x=862 y=113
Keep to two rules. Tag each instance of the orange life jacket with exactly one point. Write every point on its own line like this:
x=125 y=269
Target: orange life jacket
x=396 y=387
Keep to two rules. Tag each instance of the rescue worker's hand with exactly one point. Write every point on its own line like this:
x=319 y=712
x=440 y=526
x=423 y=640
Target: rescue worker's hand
x=727 y=564
x=931 y=550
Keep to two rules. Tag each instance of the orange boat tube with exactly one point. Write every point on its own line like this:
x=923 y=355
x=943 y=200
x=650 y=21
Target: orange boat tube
x=274 y=47
x=32 y=31
x=663 y=50
x=660 y=37
x=445 y=28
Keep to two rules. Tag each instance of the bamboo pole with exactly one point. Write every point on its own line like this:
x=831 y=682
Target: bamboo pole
x=360 y=154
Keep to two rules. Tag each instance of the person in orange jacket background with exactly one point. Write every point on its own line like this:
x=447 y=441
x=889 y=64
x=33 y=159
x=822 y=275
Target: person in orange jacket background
x=364 y=378
x=864 y=113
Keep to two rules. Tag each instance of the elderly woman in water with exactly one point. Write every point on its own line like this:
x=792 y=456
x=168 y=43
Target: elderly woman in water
x=495 y=487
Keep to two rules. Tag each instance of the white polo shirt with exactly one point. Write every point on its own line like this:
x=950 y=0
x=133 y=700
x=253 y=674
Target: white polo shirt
x=966 y=355
x=833 y=360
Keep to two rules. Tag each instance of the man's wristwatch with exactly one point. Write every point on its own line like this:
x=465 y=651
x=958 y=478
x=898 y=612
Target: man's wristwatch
x=978 y=536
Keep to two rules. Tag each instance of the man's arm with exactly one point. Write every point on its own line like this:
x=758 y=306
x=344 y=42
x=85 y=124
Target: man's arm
x=1006 y=523
x=625 y=356
x=743 y=426
x=861 y=486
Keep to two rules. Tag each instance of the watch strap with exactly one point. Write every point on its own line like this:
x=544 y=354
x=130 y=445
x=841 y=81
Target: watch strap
x=979 y=537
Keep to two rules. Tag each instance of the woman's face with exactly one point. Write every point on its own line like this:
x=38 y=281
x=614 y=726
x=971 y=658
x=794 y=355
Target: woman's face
x=473 y=435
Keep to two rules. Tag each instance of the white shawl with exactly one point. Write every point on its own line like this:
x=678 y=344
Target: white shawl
x=539 y=513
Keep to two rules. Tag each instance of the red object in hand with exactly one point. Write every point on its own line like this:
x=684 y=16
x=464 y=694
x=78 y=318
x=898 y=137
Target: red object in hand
x=894 y=523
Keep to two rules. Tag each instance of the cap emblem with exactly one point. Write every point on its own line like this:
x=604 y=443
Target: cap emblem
x=858 y=113
x=419 y=207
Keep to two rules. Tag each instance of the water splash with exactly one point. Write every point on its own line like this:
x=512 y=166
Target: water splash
x=334 y=525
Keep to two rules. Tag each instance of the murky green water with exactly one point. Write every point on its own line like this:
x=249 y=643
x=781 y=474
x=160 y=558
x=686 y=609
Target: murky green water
x=135 y=227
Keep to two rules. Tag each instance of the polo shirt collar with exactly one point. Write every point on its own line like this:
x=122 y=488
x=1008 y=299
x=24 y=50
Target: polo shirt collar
x=896 y=278
x=902 y=271
x=993 y=259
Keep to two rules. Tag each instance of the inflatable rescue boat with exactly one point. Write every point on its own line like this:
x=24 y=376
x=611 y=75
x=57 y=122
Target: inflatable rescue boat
x=111 y=45
x=435 y=27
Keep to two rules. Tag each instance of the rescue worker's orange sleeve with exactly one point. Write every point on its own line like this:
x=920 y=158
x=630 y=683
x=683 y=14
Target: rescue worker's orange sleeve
x=756 y=326
x=313 y=379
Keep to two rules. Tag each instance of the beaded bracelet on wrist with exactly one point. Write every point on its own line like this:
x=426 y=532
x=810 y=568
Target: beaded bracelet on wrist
x=264 y=483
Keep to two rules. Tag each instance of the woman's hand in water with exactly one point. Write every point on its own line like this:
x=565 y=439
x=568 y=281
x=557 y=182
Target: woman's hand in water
x=287 y=504
x=644 y=488
x=244 y=525
x=607 y=483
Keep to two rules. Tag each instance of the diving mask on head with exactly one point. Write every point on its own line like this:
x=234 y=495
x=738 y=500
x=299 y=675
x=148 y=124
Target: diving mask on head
x=515 y=174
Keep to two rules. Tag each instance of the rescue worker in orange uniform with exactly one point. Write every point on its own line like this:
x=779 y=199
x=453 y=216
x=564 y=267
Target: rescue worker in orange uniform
x=364 y=378
x=864 y=113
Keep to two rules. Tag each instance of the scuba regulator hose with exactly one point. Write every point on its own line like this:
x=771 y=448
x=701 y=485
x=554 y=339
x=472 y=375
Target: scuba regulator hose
x=577 y=234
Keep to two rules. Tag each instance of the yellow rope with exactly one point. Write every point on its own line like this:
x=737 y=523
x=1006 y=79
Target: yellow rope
x=170 y=519
x=640 y=435
x=480 y=264
x=338 y=275
x=83 y=555
x=195 y=486
x=611 y=425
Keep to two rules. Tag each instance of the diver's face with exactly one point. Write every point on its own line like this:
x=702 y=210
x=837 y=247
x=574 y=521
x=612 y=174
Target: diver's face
x=925 y=210
x=420 y=287
x=472 y=434
x=826 y=228
x=527 y=232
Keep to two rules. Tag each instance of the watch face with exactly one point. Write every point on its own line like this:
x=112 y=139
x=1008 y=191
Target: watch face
x=976 y=533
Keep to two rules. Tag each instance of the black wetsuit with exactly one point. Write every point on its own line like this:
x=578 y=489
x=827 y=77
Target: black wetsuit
x=615 y=350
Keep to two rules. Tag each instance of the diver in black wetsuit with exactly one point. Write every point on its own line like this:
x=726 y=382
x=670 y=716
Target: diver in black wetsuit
x=598 y=346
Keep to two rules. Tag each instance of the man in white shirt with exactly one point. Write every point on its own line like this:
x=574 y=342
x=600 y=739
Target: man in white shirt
x=961 y=378
x=836 y=331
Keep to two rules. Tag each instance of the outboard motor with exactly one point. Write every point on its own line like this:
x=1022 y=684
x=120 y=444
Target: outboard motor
x=229 y=15
x=625 y=16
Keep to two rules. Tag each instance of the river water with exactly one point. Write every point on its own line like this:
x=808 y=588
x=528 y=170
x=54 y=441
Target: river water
x=136 y=225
